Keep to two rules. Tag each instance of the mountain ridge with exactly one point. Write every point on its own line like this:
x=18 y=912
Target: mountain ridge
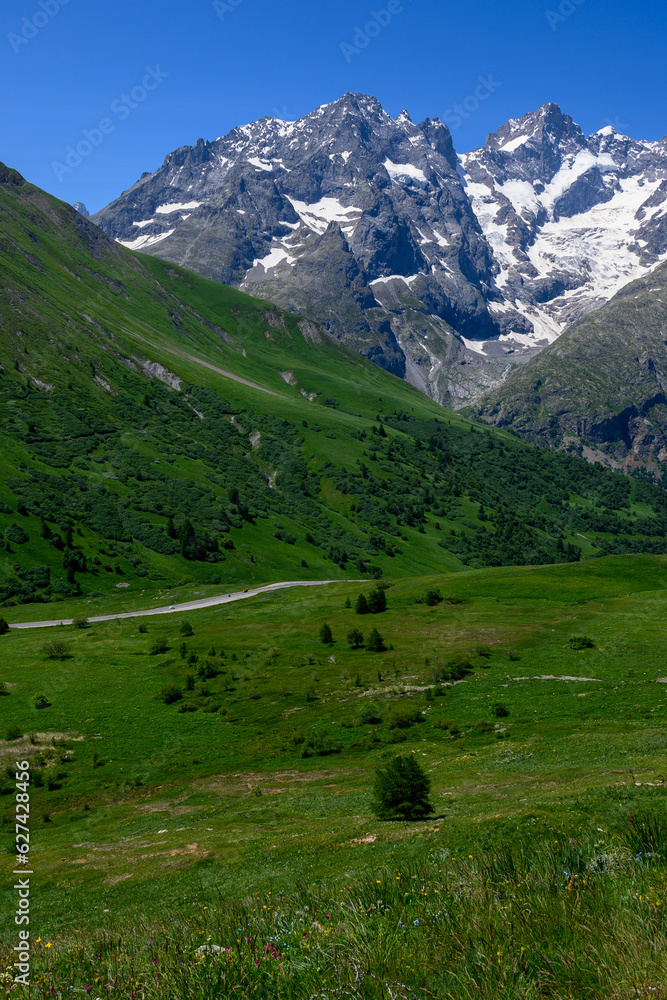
x=450 y=271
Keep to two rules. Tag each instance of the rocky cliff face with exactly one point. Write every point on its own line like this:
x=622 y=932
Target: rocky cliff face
x=449 y=271
x=601 y=388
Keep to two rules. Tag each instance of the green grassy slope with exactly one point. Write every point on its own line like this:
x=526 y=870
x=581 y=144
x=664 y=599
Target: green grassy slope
x=599 y=390
x=160 y=432
x=153 y=823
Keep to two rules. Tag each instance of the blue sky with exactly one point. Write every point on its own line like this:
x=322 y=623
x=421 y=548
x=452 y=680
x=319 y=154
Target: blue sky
x=68 y=66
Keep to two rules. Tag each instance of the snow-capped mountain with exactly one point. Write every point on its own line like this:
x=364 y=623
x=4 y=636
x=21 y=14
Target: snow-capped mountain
x=446 y=270
x=570 y=219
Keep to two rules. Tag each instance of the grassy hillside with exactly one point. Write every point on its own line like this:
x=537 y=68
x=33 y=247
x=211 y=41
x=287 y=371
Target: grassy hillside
x=164 y=433
x=238 y=816
x=599 y=390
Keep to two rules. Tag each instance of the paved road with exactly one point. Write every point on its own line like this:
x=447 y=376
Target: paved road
x=205 y=602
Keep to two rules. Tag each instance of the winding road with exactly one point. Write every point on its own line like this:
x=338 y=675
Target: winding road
x=205 y=602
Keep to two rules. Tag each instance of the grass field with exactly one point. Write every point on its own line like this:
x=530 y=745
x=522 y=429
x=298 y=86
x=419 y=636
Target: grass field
x=247 y=819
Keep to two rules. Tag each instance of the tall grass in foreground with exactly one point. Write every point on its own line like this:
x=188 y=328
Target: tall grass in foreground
x=568 y=918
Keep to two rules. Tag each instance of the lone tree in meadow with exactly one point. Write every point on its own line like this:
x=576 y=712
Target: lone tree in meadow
x=326 y=635
x=377 y=601
x=375 y=642
x=4 y=627
x=361 y=606
x=401 y=790
x=355 y=638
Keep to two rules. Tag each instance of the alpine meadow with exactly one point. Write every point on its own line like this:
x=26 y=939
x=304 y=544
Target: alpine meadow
x=333 y=513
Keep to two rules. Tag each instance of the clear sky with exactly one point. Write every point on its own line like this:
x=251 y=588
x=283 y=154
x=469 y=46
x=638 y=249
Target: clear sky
x=65 y=67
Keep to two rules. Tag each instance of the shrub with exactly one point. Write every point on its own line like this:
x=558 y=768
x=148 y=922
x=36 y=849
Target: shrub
x=15 y=533
x=207 y=670
x=446 y=724
x=432 y=597
x=13 y=733
x=326 y=635
x=483 y=727
x=500 y=710
x=455 y=669
x=187 y=706
x=56 y=649
x=355 y=638
x=170 y=693
x=401 y=790
x=4 y=627
x=186 y=629
x=41 y=701
x=142 y=628
x=190 y=682
x=581 y=642
x=158 y=646
x=320 y=741
x=81 y=623
x=375 y=642
x=404 y=716
x=3 y=690
x=370 y=715
x=348 y=603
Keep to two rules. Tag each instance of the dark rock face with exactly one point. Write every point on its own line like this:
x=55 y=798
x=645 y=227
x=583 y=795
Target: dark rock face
x=601 y=389
x=449 y=271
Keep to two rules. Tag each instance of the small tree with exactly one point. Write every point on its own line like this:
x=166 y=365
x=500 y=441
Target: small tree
x=158 y=646
x=186 y=629
x=375 y=642
x=361 y=606
x=581 y=642
x=401 y=790
x=370 y=715
x=432 y=597
x=348 y=603
x=55 y=650
x=41 y=701
x=500 y=710
x=355 y=638
x=81 y=623
x=326 y=635
x=4 y=627
x=142 y=628
x=377 y=601
x=170 y=694
x=183 y=650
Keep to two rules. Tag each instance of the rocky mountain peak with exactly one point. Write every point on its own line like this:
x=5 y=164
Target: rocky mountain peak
x=448 y=270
